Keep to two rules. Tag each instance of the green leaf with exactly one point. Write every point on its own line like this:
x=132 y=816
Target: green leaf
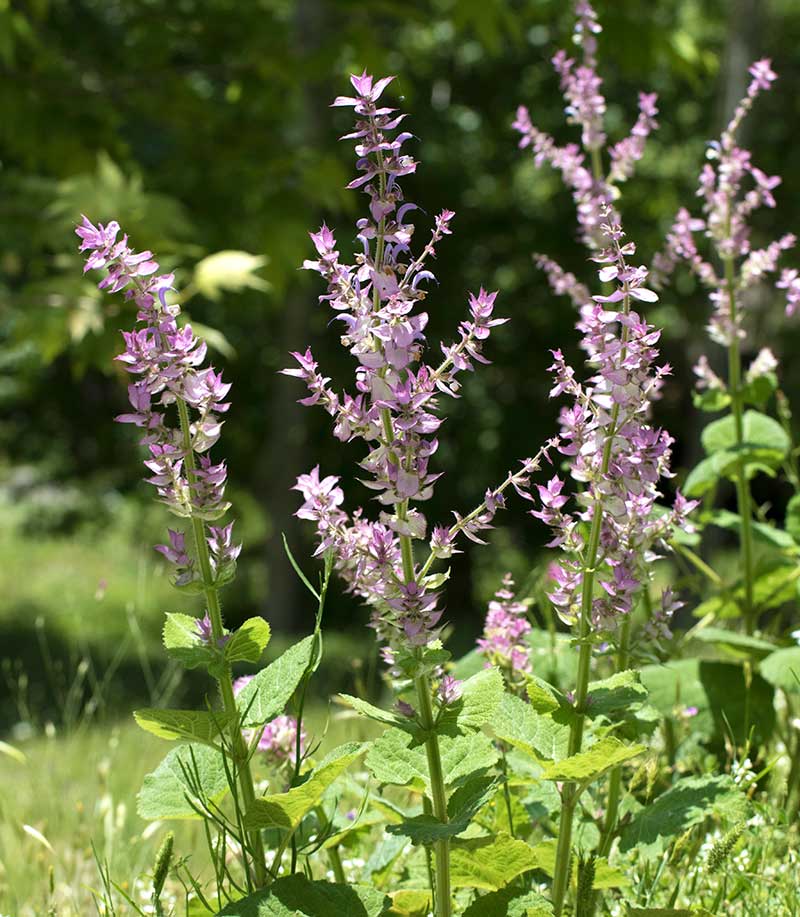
x=718 y=690
x=782 y=668
x=766 y=534
x=248 y=642
x=758 y=391
x=196 y=725
x=164 y=791
x=386 y=717
x=542 y=696
x=410 y=902
x=480 y=697
x=588 y=765
x=265 y=696
x=621 y=692
x=711 y=400
x=743 y=644
x=792 y=522
x=605 y=876
x=536 y=734
x=489 y=862
x=770 y=589
x=759 y=433
x=297 y=896
x=182 y=642
x=509 y=903
x=286 y=810
x=463 y=806
x=229 y=271
x=689 y=802
x=395 y=758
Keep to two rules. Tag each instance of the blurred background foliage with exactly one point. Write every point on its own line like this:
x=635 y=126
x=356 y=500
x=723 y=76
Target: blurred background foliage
x=204 y=127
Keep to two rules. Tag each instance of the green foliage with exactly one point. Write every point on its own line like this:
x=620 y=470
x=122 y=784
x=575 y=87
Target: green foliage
x=621 y=693
x=536 y=734
x=507 y=903
x=690 y=801
x=188 y=777
x=286 y=810
x=588 y=765
x=248 y=642
x=196 y=725
x=297 y=896
x=182 y=642
x=395 y=757
x=481 y=696
x=462 y=807
x=490 y=862
x=770 y=590
x=719 y=691
x=263 y=698
x=782 y=668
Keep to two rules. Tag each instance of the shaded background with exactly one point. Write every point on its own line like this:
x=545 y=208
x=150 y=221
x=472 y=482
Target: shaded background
x=204 y=126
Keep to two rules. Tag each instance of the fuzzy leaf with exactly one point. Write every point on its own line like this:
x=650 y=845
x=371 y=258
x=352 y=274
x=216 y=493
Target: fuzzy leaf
x=782 y=668
x=489 y=862
x=590 y=764
x=297 y=896
x=248 y=642
x=510 y=903
x=686 y=803
x=463 y=806
x=164 y=791
x=410 y=902
x=286 y=810
x=196 y=725
x=263 y=698
x=182 y=642
x=759 y=432
x=480 y=697
x=394 y=758
x=539 y=736
x=621 y=692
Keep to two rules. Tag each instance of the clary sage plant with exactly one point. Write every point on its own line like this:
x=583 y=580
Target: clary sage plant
x=552 y=770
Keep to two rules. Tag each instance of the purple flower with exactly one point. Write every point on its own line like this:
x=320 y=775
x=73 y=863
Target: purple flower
x=205 y=631
x=504 y=632
x=449 y=691
x=167 y=360
x=394 y=406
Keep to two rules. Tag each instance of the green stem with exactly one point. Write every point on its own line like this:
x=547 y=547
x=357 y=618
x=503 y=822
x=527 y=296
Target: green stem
x=615 y=780
x=224 y=680
x=742 y=485
x=438 y=795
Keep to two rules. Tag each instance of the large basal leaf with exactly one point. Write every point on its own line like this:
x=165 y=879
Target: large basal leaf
x=195 y=725
x=588 y=765
x=622 y=692
x=185 y=769
x=538 y=735
x=782 y=668
x=297 y=896
x=689 y=802
x=286 y=810
x=410 y=902
x=718 y=691
x=265 y=696
x=489 y=862
x=248 y=642
x=480 y=697
x=396 y=758
x=508 y=903
x=462 y=807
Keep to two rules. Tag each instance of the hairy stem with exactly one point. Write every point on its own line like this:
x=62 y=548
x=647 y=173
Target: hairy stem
x=238 y=745
x=438 y=795
x=742 y=485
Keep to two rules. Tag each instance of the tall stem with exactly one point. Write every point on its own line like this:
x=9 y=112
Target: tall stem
x=224 y=680
x=438 y=796
x=742 y=484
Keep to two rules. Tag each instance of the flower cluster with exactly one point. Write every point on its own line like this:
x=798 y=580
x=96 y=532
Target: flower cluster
x=167 y=360
x=593 y=191
x=393 y=408
x=503 y=641
x=731 y=187
x=614 y=453
x=278 y=738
